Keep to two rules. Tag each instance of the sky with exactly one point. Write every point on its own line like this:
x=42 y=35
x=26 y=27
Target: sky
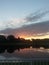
x=25 y=18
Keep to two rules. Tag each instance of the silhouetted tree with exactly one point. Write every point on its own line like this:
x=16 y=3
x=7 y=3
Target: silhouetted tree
x=2 y=43
x=11 y=43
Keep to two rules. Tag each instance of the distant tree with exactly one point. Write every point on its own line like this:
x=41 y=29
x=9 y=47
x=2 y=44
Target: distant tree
x=11 y=38
x=37 y=43
x=2 y=39
x=2 y=43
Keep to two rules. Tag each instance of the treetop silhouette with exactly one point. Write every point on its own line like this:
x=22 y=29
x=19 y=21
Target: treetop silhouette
x=10 y=43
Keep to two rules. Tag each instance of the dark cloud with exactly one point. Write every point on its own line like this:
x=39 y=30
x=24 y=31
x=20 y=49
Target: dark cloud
x=30 y=30
x=36 y=16
x=17 y=23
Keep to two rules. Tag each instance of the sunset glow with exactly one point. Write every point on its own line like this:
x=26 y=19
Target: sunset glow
x=33 y=37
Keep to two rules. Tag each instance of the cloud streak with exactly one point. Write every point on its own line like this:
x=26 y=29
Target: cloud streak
x=17 y=23
x=38 y=29
x=36 y=16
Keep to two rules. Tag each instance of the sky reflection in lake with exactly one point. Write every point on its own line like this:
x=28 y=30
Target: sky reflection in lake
x=28 y=53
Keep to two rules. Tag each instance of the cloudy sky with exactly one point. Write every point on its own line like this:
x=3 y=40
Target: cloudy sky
x=25 y=18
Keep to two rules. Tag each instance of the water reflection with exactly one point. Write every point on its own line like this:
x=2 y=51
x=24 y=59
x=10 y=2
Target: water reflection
x=27 y=53
x=41 y=49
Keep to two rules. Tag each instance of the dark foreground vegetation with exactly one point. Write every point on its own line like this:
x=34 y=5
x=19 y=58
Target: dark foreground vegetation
x=10 y=43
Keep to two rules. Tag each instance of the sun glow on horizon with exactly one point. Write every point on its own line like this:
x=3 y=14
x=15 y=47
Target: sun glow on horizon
x=34 y=37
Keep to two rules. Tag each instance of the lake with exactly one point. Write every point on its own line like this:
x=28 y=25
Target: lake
x=26 y=54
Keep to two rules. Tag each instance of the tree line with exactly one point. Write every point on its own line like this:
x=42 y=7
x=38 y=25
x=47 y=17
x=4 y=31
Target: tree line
x=10 y=43
x=37 y=43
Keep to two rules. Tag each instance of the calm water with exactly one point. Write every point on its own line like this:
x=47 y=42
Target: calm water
x=27 y=53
